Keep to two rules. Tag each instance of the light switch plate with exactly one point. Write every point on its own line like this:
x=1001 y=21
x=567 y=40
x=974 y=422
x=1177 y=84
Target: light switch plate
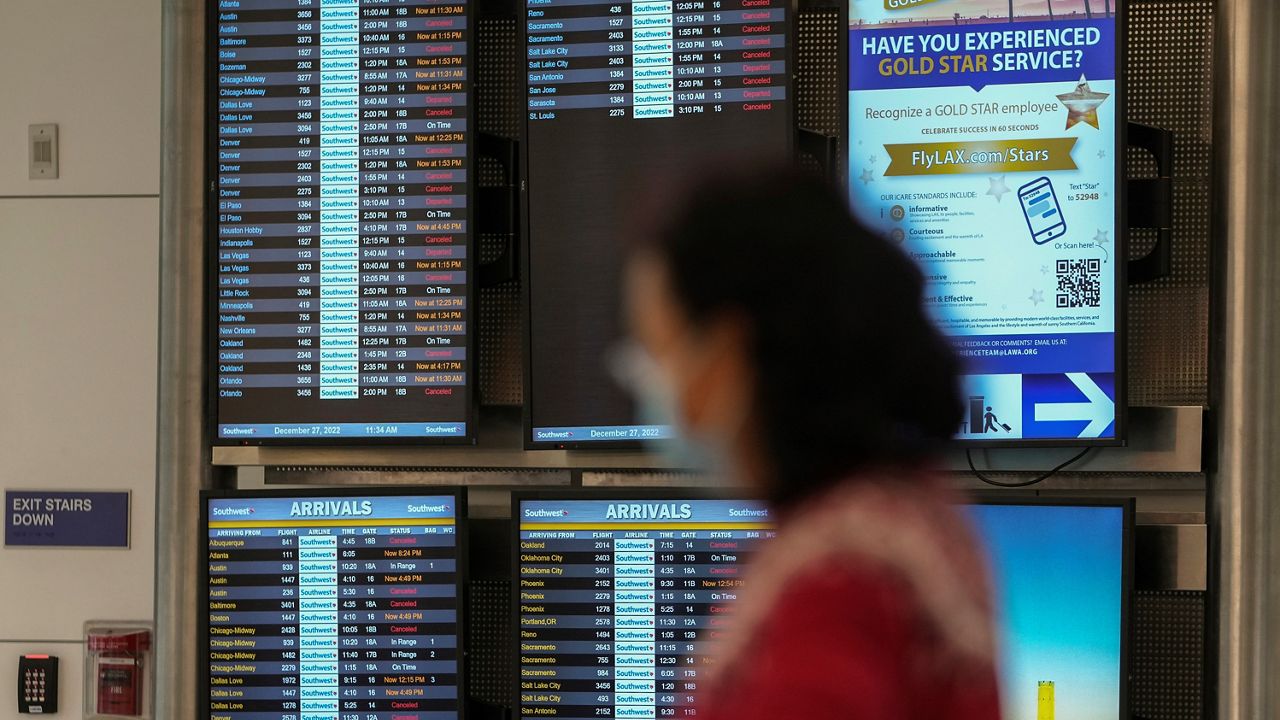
x=42 y=148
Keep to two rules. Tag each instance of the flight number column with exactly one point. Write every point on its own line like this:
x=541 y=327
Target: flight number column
x=633 y=615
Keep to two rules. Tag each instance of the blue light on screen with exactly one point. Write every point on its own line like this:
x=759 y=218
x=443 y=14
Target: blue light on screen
x=1058 y=572
x=1000 y=180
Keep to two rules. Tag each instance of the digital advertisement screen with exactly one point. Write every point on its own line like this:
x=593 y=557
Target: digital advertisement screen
x=984 y=139
x=339 y=162
x=614 y=597
x=329 y=606
x=1059 y=573
x=624 y=98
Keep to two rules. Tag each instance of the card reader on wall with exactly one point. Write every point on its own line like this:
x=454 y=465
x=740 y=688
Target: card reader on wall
x=38 y=684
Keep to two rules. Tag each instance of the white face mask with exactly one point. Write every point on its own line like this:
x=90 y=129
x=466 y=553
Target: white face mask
x=657 y=399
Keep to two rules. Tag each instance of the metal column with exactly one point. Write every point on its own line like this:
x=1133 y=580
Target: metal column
x=1245 y=487
x=182 y=467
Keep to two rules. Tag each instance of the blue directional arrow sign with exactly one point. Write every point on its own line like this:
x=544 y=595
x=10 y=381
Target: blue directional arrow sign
x=1083 y=401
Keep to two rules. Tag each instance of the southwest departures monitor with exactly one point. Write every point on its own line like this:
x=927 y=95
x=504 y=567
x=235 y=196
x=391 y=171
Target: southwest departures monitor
x=340 y=156
x=332 y=605
x=623 y=98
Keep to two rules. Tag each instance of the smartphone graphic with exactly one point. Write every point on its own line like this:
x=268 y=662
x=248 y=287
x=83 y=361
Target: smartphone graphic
x=1040 y=208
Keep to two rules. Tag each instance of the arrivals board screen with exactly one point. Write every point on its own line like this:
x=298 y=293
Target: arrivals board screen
x=623 y=97
x=340 y=220
x=320 y=606
x=612 y=601
x=614 y=597
x=985 y=138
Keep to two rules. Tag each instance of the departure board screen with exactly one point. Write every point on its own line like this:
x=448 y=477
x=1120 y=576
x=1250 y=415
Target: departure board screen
x=340 y=218
x=624 y=97
x=616 y=598
x=322 y=607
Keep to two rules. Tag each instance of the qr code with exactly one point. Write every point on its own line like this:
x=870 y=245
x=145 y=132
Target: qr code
x=1079 y=283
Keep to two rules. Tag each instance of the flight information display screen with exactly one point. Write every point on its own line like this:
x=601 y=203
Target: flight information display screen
x=334 y=605
x=624 y=97
x=985 y=138
x=615 y=597
x=1061 y=579
x=340 y=220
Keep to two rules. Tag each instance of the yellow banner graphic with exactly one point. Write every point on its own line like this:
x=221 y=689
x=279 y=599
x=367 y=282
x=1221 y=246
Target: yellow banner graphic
x=980 y=156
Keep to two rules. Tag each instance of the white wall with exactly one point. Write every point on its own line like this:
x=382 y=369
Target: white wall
x=78 y=291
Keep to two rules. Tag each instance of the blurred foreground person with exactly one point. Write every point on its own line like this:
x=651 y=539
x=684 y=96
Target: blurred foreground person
x=791 y=346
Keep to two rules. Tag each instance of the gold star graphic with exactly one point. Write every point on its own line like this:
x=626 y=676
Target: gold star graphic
x=1082 y=104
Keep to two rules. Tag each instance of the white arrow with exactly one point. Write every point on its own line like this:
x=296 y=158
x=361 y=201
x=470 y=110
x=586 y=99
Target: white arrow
x=1100 y=410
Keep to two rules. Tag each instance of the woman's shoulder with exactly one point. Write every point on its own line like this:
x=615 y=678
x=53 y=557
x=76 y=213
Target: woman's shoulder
x=899 y=544
x=872 y=599
x=846 y=639
x=841 y=603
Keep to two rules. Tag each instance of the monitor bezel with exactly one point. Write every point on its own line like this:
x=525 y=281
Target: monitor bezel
x=525 y=244
x=1127 y=505
x=583 y=493
x=459 y=495
x=1119 y=250
x=210 y=255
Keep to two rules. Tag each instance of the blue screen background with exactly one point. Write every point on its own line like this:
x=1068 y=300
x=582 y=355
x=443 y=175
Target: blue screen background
x=1058 y=573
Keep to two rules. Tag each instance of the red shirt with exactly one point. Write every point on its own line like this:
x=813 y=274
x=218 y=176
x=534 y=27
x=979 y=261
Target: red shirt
x=846 y=635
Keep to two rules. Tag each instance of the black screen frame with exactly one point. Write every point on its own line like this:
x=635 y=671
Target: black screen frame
x=1120 y=250
x=1127 y=505
x=525 y=243
x=577 y=494
x=462 y=573
x=210 y=180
